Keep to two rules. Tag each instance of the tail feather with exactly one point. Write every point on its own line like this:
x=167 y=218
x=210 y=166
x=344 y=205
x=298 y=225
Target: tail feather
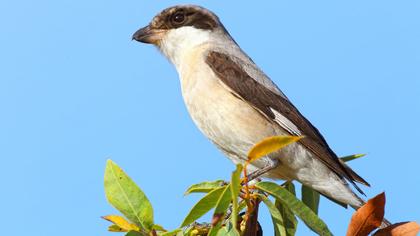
x=360 y=203
x=354 y=175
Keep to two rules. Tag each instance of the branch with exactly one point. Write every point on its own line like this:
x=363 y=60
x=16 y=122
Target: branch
x=252 y=227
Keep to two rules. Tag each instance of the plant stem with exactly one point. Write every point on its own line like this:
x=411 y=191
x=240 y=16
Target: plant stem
x=251 y=228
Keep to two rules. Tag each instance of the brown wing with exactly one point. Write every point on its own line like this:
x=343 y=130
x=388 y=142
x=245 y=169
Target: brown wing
x=263 y=99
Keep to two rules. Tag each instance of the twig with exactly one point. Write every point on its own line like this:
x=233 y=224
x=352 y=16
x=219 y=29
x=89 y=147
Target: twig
x=251 y=228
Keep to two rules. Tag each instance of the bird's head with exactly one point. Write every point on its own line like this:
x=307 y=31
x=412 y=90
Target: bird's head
x=177 y=29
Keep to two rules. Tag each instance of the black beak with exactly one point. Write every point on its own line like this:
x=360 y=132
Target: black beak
x=147 y=35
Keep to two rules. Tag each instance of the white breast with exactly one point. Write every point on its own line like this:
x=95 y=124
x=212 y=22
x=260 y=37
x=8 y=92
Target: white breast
x=226 y=120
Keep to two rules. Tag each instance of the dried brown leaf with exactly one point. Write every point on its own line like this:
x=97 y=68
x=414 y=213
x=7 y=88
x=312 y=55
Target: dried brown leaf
x=400 y=229
x=368 y=217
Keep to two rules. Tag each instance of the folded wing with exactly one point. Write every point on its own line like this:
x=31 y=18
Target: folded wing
x=278 y=109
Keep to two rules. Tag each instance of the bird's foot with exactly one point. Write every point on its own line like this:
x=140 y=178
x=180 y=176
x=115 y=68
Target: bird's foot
x=271 y=165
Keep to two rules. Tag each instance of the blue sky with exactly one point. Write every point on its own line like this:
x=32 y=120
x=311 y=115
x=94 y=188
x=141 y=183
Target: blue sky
x=75 y=90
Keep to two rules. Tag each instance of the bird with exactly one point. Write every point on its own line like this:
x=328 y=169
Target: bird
x=236 y=105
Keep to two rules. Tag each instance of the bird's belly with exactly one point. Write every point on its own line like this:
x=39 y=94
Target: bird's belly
x=226 y=120
x=230 y=123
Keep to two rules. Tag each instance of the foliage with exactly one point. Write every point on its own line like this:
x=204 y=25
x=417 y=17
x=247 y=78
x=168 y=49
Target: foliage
x=236 y=203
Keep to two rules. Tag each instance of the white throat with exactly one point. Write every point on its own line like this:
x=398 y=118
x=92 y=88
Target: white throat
x=178 y=42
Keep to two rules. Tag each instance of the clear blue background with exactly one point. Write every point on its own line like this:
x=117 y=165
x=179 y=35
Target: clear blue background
x=75 y=90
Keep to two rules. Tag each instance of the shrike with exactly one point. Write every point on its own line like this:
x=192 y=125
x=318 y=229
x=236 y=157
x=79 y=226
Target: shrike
x=236 y=105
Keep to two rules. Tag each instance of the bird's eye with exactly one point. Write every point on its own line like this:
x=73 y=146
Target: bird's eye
x=178 y=18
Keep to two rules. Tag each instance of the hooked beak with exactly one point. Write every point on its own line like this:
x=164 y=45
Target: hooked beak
x=148 y=35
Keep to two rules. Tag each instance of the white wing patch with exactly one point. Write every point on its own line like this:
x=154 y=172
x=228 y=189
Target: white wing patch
x=285 y=123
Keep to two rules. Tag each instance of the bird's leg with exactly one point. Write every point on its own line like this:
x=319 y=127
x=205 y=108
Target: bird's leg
x=271 y=165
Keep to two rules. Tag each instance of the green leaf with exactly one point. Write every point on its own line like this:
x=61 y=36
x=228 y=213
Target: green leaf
x=296 y=206
x=228 y=230
x=276 y=216
x=127 y=197
x=203 y=206
x=135 y=233
x=214 y=230
x=290 y=187
x=220 y=211
x=235 y=186
x=289 y=219
x=222 y=206
x=311 y=198
x=187 y=231
x=223 y=202
x=352 y=157
x=204 y=187
x=158 y=228
x=171 y=233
